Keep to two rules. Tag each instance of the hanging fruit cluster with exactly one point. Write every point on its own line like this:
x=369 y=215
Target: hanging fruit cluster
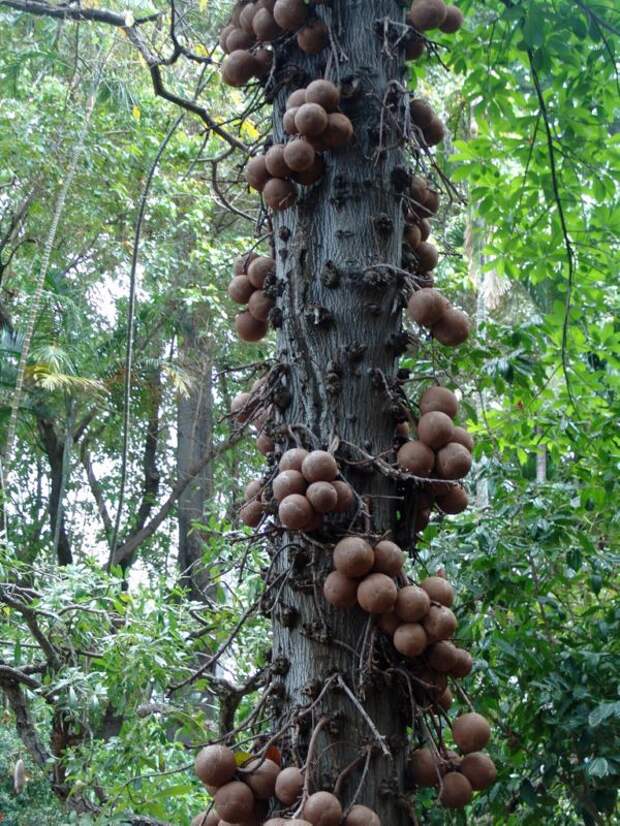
x=243 y=794
x=247 y=287
x=305 y=489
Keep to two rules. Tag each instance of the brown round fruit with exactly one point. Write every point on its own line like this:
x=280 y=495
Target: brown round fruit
x=435 y=429
x=427 y=14
x=265 y=27
x=248 y=328
x=410 y=639
x=362 y=816
x=215 y=765
x=418 y=189
x=287 y=483
x=224 y=35
x=322 y=496
x=260 y=305
x=262 y=779
x=463 y=437
x=275 y=162
x=377 y=594
x=414 y=46
x=296 y=99
x=314 y=37
x=299 y=155
x=434 y=132
x=388 y=623
x=345 y=496
x=319 y=466
x=325 y=93
x=431 y=203
x=259 y=269
x=265 y=444
x=452 y=21
x=234 y=802
x=412 y=236
x=427 y=257
x=295 y=512
x=238 y=40
x=452 y=329
x=427 y=306
x=454 y=500
x=289 y=785
x=416 y=458
x=389 y=558
x=238 y=67
x=279 y=194
x=290 y=14
x=425 y=228
x=256 y=173
x=288 y=121
x=471 y=732
x=238 y=407
x=463 y=664
x=442 y=656
x=251 y=513
x=412 y=604
x=339 y=131
x=439 y=590
x=240 y=289
x=453 y=461
x=456 y=791
x=479 y=769
x=246 y=18
x=422 y=114
x=423 y=768
x=439 y=624
x=311 y=119
x=445 y=700
x=264 y=62
x=353 y=557
x=293 y=459
x=439 y=399
x=253 y=490
x=323 y=809
x=340 y=591
x=311 y=176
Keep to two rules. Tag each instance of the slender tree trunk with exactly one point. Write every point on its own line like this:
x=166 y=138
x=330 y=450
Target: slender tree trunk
x=339 y=338
x=194 y=439
x=55 y=452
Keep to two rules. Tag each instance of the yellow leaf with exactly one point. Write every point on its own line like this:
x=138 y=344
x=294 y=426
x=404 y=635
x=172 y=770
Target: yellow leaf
x=135 y=111
x=249 y=130
x=201 y=51
x=242 y=757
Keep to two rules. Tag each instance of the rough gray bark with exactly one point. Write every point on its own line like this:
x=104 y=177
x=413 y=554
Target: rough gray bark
x=340 y=336
x=194 y=439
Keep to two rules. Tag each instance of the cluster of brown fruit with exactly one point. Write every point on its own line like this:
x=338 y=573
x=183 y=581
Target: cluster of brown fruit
x=422 y=203
x=457 y=777
x=263 y=22
x=246 y=287
x=307 y=487
x=243 y=795
x=313 y=120
x=425 y=15
x=442 y=450
x=430 y=309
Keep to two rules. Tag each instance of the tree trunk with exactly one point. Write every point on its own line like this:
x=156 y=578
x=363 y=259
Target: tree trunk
x=340 y=338
x=54 y=450
x=194 y=439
